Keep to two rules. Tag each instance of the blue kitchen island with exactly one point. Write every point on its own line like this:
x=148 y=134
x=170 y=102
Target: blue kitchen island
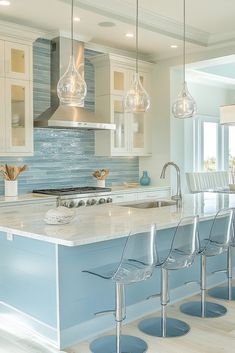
x=42 y=285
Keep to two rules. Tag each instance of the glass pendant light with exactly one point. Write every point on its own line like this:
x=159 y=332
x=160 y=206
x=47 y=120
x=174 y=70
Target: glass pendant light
x=136 y=100
x=72 y=88
x=184 y=106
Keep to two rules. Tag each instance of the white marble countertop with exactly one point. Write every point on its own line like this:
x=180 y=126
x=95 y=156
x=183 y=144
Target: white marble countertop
x=105 y=222
x=25 y=198
x=122 y=188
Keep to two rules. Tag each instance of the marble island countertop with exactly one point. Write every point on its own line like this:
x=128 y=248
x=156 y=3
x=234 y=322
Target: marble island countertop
x=25 y=199
x=105 y=222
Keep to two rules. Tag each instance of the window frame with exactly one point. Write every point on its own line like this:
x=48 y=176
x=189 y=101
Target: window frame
x=222 y=152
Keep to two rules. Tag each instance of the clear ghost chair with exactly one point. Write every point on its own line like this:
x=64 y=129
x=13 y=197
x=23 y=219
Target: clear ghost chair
x=137 y=263
x=227 y=292
x=184 y=248
x=217 y=243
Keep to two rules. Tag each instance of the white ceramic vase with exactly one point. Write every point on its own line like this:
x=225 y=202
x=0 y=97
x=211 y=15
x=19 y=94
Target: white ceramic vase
x=11 y=188
x=101 y=183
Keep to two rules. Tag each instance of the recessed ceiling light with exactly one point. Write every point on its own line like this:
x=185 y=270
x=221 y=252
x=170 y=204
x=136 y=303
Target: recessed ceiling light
x=129 y=35
x=106 y=24
x=174 y=46
x=5 y=3
x=76 y=19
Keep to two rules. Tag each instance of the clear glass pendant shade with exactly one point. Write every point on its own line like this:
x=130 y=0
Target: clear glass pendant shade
x=136 y=99
x=184 y=106
x=72 y=88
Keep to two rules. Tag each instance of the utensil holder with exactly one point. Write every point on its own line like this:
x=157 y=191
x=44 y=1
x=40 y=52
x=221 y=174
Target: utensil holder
x=11 y=188
x=101 y=183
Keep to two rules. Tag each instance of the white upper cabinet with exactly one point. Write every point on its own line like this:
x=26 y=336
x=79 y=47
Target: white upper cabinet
x=2 y=121
x=2 y=59
x=16 y=105
x=16 y=119
x=113 y=77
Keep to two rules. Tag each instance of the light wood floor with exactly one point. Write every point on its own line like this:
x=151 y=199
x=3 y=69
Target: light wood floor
x=206 y=336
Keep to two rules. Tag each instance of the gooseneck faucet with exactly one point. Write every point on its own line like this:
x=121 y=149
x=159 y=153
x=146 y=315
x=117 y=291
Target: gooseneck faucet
x=178 y=196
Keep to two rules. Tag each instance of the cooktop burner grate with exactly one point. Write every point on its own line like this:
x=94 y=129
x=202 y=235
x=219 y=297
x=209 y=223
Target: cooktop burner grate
x=72 y=191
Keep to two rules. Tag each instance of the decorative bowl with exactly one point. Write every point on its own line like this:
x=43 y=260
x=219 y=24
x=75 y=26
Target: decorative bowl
x=59 y=215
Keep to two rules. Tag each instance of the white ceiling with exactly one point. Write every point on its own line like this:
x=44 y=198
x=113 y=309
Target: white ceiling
x=209 y=22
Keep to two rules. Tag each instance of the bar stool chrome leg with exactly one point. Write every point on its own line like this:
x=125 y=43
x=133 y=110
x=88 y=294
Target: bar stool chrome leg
x=225 y=292
x=119 y=343
x=203 y=308
x=164 y=326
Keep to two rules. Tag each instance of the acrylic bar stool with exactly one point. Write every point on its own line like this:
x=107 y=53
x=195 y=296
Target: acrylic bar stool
x=183 y=250
x=217 y=243
x=227 y=292
x=137 y=263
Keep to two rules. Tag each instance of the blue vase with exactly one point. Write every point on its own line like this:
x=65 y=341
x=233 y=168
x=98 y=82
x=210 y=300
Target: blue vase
x=145 y=179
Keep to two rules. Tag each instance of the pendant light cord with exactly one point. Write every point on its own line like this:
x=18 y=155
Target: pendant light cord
x=184 y=43
x=72 y=28
x=137 y=36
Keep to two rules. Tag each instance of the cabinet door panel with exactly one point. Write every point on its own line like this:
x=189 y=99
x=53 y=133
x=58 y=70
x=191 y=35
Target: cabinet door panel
x=2 y=69
x=139 y=134
x=120 y=135
x=17 y=58
x=119 y=80
x=2 y=115
x=18 y=116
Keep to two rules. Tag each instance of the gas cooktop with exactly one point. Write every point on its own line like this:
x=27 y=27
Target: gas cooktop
x=72 y=191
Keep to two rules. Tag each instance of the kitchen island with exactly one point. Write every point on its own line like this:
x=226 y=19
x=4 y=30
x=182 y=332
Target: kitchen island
x=41 y=280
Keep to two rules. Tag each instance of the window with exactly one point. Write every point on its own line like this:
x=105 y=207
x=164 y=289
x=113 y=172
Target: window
x=208 y=141
x=214 y=146
x=231 y=150
x=210 y=158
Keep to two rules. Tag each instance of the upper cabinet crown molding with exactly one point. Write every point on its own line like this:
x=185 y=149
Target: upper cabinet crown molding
x=10 y=30
x=107 y=59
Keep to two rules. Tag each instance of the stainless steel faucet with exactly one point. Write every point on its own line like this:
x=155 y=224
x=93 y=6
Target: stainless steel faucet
x=178 y=196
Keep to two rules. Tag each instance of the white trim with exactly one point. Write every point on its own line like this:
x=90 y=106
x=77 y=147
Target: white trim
x=209 y=79
x=57 y=296
x=222 y=143
x=123 y=11
x=65 y=34
x=110 y=50
x=29 y=323
x=114 y=59
x=9 y=30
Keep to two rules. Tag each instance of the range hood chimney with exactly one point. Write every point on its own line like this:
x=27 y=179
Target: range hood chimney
x=61 y=116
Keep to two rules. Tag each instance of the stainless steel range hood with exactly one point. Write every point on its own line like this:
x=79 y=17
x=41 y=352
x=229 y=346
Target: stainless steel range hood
x=61 y=116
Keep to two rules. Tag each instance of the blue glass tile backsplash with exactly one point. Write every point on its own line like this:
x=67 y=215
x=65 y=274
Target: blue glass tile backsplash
x=65 y=157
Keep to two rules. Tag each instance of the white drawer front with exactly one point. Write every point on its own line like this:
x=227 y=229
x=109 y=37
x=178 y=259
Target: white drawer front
x=124 y=197
x=153 y=194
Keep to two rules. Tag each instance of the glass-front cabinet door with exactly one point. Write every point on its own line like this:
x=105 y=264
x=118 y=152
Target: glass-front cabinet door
x=119 y=80
x=2 y=69
x=2 y=115
x=18 y=116
x=119 y=136
x=137 y=132
x=17 y=60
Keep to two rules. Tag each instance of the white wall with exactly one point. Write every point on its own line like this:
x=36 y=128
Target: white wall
x=168 y=134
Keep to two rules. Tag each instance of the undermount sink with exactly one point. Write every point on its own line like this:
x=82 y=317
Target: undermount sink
x=152 y=204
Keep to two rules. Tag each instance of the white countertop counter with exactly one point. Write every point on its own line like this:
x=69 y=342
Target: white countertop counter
x=122 y=188
x=25 y=199
x=105 y=222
